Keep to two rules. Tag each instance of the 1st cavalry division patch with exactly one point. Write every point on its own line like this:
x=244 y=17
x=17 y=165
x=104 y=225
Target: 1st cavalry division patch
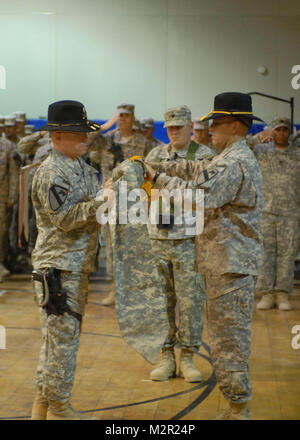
x=57 y=196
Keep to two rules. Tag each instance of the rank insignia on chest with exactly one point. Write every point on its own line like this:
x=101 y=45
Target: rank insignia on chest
x=57 y=196
x=205 y=176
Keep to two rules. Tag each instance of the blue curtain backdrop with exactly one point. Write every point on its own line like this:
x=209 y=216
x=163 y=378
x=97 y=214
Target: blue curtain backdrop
x=159 y=132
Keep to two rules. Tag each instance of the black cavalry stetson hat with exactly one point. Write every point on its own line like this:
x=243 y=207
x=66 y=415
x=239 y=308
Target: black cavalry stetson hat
x=68 y=116
x=232 y=104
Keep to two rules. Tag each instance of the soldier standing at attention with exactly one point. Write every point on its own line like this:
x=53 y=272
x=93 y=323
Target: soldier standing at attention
x=64 y=192
x=279 y=161
x=20 y=123
x=174 y=249
x=229 y=251
x=148 y=130
x=9 y=180
x=201 y=132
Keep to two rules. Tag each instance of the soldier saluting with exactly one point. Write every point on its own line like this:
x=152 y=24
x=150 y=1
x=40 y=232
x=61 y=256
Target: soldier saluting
x=64 y=197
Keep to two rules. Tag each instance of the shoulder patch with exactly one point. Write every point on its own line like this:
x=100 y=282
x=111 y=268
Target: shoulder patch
x=57 y=196
x=206 y=175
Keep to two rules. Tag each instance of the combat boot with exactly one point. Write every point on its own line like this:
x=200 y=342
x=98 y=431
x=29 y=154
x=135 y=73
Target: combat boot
x=62 y=410
x=282 y=301
x=110 y=299
x=167 y=366
x=39 y=407
x=236 y=411
x=187 y=368
x=267 y=302
x=3 y=271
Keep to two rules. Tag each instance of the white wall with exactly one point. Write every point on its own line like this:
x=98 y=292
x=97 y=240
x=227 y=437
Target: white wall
x=153 y=53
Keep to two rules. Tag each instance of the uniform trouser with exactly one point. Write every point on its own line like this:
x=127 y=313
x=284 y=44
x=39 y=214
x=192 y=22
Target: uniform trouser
x=106 y=234
x=281 y=243
x=60 y=340
x=182 y=286
x=3 y=230
x=229 y=308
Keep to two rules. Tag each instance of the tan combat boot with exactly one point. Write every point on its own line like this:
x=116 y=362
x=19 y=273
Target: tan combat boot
x=39 y=407
x=282 y=301
x=110 y=299
x=60 y=410
x=236 y=411
x=187 y=368
x=267 y=302
x=3 y=271
x=167 y=366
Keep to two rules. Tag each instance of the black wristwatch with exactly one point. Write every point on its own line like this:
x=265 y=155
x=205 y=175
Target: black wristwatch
x=156 y=176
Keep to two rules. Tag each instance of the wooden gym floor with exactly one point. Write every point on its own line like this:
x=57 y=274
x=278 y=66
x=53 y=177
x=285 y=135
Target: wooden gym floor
x=113 y=379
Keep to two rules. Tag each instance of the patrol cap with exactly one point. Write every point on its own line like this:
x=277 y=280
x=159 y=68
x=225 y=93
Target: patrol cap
x=10 y=121
x=280 y=122
x=148 y=122
x=136 y=125
x=180 y=115
x=126 y=108
x=200 y=125
x=29 y=128
x=20 y=116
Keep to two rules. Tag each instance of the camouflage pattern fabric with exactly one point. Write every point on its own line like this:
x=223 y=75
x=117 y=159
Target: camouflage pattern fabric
x=60 y=339
x=63 y=194
x=8 y=192
x=281 y=215
x=183 y=287
x=229 y=307
x=281 y=242
x=174 y=250
x=228 y=254
x=31 y=143
x=106 y=151
x=164 y=153
x=281 y=179
x=233 y=200
x=140 y=301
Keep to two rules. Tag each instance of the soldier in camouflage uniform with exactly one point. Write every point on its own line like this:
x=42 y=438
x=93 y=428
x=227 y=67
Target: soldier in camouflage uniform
x=8 y=196
x=110 y=149
x=173 y=246
x=20 y=123
x=148 y=130
x=279 y=161
x=229 y=251
x=63 y=194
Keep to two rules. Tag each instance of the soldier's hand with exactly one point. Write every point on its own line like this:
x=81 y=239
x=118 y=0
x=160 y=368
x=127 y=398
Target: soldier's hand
x=108 y=184
x=265 y=136
x=150 y=172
